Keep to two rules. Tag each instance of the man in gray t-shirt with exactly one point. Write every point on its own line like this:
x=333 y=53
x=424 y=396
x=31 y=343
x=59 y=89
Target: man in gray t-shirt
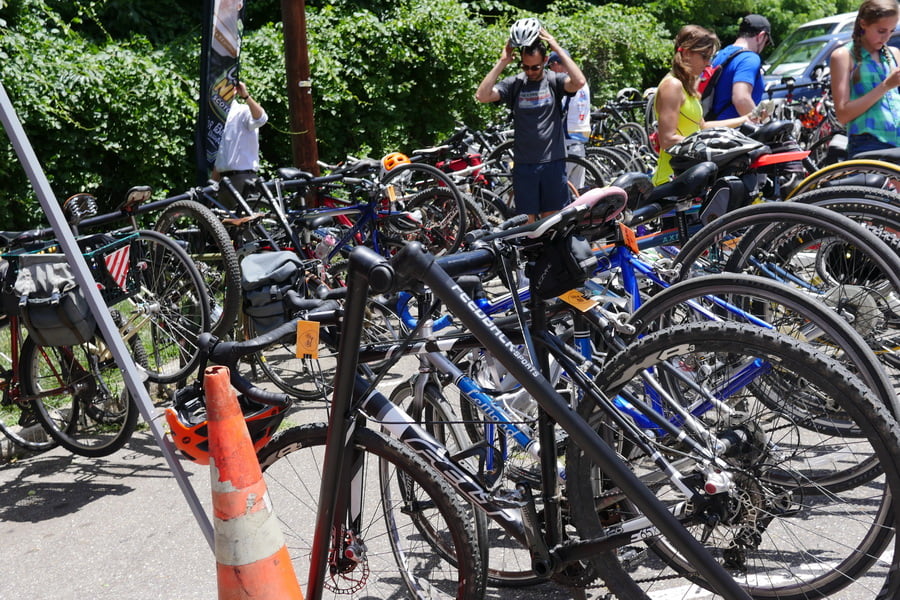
x=535 y=97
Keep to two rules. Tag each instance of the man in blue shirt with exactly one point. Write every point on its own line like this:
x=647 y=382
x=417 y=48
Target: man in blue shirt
x=741 y=86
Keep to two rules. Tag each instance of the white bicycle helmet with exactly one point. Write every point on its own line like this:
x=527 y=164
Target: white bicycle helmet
x=718 y=144
x=524 y=32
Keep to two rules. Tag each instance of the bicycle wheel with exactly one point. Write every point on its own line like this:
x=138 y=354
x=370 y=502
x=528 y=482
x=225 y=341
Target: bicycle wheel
x=166 y=308
x=476 y=216
x=778 y=529
x=439 y=221
x=313 y=378
x=583 y=174
x=742 y=298
x=79 y=394
x=509 y=562
x=423 y=188
x=401 y=498
x=834 y=173
x=201 y=234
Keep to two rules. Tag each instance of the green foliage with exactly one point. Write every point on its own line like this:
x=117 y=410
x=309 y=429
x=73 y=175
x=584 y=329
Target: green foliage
x=107 y=89
x=101 y=117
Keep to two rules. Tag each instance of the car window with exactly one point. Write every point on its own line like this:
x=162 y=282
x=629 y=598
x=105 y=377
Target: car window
x=795 y=59
x=798 y=35
x=847 y=27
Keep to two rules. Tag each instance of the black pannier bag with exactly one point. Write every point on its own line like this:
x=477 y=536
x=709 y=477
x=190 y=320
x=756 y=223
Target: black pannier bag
x=265 y=279
x=49 y=302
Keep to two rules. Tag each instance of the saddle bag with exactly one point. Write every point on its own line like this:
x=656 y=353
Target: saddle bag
x=48 y=301
x=266 y=278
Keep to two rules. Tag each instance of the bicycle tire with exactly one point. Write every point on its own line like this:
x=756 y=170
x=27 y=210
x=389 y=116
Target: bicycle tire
x=592 y=177
x=753 y=559
x=410 y=180
x=608 y=160
x=440 y=225
x=79 y=395
x=786 y=309
x=843 y=169
x=168 y=311
x=633 y=133
x=313 y=378
x=508 y=562
x=874 y=207
x=197 y=229
x=23 y=428
x=292 y=463
x=477 y=216
x=18 y=421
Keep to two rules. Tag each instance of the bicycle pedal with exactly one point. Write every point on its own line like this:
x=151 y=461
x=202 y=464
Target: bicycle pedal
x=27 y=418
x=631 y=556
x=508 y=499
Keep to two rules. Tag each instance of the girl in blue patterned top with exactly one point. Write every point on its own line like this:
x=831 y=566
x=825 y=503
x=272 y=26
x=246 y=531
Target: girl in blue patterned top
x=865 y=75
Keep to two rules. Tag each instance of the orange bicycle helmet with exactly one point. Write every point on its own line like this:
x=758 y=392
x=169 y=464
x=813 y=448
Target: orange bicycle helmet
x=188 y=425
x=392 y=160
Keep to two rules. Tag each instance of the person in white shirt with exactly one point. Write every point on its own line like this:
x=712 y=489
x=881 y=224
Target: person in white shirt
x=578 y=121
x=238 y=155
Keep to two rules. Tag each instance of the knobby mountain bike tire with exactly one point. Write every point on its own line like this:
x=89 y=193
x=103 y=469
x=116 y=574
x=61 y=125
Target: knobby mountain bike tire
x=203 y=236
x=779 y=532
x=414 y=532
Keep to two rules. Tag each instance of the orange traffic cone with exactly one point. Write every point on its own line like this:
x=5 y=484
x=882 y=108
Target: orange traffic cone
x=252 y=560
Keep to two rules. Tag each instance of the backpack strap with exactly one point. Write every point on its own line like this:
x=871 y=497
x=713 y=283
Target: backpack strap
x=722 y=66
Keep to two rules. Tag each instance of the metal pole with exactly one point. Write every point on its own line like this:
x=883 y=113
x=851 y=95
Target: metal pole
x=134 y=378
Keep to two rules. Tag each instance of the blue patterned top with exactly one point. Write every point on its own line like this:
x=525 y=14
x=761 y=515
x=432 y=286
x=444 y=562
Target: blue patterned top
x=883 y=118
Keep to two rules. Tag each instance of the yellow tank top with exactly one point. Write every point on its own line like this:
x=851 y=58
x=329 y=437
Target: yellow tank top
x=689 y=118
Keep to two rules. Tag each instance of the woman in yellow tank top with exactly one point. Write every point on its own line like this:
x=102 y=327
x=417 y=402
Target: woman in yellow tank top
x=677 y=101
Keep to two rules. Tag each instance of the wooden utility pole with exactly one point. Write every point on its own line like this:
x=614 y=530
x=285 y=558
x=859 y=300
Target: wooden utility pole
x=299 y=86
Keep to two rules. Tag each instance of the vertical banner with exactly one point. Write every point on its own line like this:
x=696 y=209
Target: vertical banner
x=219 y=69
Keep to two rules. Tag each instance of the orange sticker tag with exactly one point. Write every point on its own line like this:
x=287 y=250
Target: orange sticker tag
x=578 y=300
x=628 y=238
x=307 y=339
x=392 y=194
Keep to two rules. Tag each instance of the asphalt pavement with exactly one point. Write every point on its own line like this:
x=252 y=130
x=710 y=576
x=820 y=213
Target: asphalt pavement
x=120 y=528
x=117 y=527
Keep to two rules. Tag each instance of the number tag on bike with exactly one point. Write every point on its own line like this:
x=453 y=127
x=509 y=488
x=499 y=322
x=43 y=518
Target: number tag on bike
x=628 y=237
x=578 y=300
x=307 y=339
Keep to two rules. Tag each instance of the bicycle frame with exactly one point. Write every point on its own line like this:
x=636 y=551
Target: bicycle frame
x=371 y=272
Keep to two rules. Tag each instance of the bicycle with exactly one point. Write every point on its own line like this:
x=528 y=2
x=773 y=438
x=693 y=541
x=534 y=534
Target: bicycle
x=410 y=265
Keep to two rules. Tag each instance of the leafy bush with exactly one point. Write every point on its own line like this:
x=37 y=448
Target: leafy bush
x=107 y=89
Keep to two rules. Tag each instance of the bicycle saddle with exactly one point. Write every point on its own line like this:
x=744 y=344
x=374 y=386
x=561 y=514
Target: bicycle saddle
x=690 y=184
x=294 y=173
x=773 y=131
x=636 y=185
x=136 y=196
